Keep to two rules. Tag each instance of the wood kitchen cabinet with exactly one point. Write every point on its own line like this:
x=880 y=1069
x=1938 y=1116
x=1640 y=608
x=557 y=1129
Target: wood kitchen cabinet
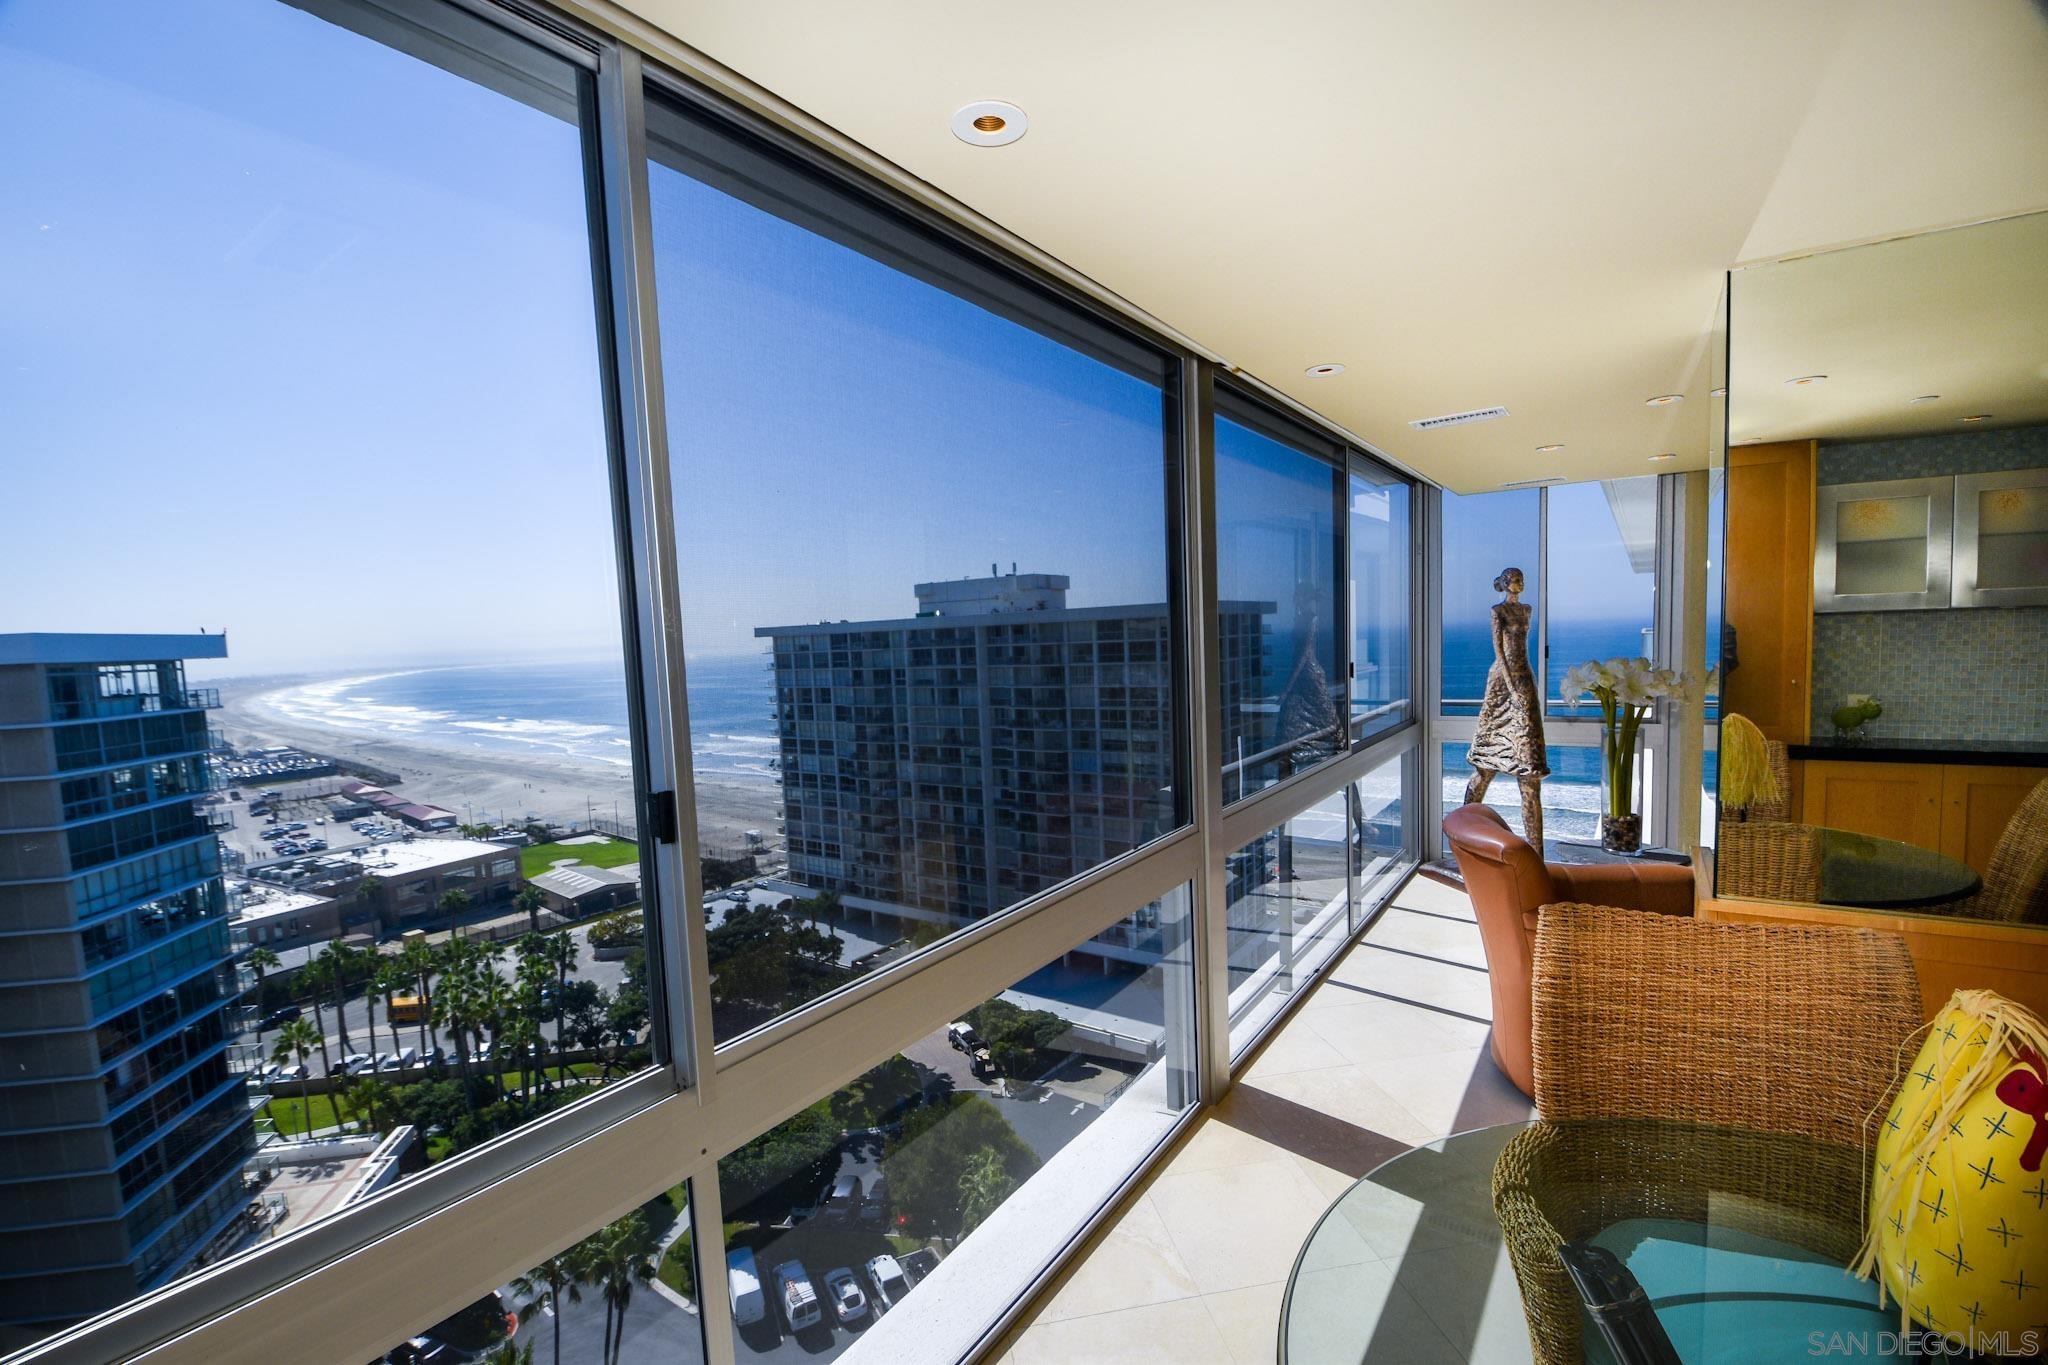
x=1959 y=809
x=1768 y=598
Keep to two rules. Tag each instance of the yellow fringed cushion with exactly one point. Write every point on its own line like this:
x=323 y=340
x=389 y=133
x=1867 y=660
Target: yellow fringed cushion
x=1959 y=1197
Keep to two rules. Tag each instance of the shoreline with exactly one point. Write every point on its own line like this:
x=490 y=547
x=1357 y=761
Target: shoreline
x=507 y=787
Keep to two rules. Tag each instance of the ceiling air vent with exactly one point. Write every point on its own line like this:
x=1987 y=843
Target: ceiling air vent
x=1458 y=419
x=1533 y=483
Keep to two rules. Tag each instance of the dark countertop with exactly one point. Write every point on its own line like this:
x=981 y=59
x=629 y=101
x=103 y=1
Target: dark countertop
x=1985 y=753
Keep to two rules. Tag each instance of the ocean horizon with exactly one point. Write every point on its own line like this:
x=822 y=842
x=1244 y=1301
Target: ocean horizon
x=576 y=711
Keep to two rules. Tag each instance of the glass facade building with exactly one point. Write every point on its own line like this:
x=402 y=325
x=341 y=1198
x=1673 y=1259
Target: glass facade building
x=123 y=1129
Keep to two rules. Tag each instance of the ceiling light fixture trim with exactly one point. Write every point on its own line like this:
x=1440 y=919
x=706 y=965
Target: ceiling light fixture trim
x=989 y=123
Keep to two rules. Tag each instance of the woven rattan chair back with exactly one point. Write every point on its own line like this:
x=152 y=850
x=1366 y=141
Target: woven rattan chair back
x=1767 y=860
x=1783 y=1028
x=2016 y=881
x=1781 y=772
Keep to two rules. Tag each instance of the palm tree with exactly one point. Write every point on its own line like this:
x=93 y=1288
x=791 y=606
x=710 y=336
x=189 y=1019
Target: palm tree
x=420 y=962
x=555 y=1281
x=615 y=1259
x=562 y=952
x=984 y=1185
x=296 y=1039
x=453 y=904
x=312 y=979
x=509 y=1352
x=531 y=901
x=365 y=1099
x=387 y=982
x=261 y=960
x=339 y=964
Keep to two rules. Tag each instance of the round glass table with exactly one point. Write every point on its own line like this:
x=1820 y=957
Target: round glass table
x=1887 y=874
x=1604 y=1239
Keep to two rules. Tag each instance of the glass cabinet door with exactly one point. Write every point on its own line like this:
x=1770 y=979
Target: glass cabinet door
x=2001 y=556
x=1882 y=546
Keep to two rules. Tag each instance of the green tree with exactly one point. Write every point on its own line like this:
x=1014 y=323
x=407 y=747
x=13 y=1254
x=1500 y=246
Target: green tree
x=419 y=959
x=297 y=1039
x=453 y=905
x=339 y=965
x=984 y=1185
x=549 y=1285
x=510 y=1352
x=562 y=952
x=366 y=1098
x=261 y=961
x=531 y=901
x=931 y=1157
x=789 y=1159
x=616 y=1259
x=390 y=980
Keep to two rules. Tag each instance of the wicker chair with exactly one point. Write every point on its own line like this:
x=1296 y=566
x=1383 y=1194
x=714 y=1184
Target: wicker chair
x=1784 y=1040
x=1766 y=860
x=1781 y=772
x=2016 y=882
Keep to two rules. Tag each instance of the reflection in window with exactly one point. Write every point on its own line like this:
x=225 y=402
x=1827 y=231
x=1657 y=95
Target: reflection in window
x=1482 y=535
x=922 y=519
x=1283 y=694
x=1379 y=530
x=1603 y=575
x=1382 y=834
x=1288 y=910
x=307 y=326
x=966 y=1160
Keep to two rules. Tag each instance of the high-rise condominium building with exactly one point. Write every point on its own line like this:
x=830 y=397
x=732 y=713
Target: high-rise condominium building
x=996 y=743
x=123 y=1130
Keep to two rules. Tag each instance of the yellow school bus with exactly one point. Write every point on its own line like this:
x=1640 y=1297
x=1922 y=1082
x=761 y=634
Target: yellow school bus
x=408 y=1009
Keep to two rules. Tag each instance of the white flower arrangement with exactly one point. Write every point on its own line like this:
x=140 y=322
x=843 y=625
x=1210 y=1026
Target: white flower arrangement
x=1626 y=690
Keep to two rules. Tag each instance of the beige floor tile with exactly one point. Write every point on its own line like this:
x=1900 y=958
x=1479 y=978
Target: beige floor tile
x=1297 y=1047
x=1328 y=1182
x=1431 y=936
x=1424 y=893
x=1215 y=1143
x=1344 y=1315
x=1244 y=1225
x=1248 y=1320
x=1349 y=1093
x=1134 y=1264
x=1454 y=1092
x=1368 y=1031
x=1436 y=984
x=1181 y=1332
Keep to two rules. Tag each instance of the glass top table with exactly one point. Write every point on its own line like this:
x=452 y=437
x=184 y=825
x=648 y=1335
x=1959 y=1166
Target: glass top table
x=1714 y=1244
x=1886 y=874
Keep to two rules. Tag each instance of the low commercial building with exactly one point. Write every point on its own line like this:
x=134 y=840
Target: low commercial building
x=279 y=917
x=413 y=874
x=578 y=889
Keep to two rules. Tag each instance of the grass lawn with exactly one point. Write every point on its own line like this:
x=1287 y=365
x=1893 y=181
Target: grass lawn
x=289 y=1114
x=537 y=858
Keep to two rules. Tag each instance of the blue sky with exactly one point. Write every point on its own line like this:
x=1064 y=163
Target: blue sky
x=297 y=340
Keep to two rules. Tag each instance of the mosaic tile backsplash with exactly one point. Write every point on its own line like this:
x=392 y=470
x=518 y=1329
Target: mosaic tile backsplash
x=1975 y=674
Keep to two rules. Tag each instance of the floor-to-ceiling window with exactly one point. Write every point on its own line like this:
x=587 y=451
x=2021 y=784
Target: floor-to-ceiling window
x=699 y=832
x=1588 y=555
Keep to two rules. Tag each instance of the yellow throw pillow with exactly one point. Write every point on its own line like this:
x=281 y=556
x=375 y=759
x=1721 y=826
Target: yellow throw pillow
x=1959 y=1197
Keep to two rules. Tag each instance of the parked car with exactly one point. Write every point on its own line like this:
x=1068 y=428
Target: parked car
x=963 y=1037
x=919 y=1264
x=838 y=1203
x=848 y=1303
x=356 y=1063
x=874 y=1197
x=800 y=1307
x=279 y=1017
x=887 y=1278
x=292 y=1073
x=743 y=1283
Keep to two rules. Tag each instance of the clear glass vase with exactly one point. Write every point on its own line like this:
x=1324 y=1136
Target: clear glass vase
x=1621 y=819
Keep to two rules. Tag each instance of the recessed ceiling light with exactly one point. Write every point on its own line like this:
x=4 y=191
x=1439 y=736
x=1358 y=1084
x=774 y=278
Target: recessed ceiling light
x=1664 y=400
x=1721 y=392
x=1923 y=398
x=1805 y=379
x=1667 y=455
x=989 y=123
x=1323 y=371
x=1976 y=417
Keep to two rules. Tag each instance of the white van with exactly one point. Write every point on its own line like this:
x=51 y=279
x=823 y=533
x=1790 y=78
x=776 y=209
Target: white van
x=800 y=1307
x=743 y=1281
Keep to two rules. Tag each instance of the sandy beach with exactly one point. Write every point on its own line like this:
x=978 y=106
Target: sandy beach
x=485 y=785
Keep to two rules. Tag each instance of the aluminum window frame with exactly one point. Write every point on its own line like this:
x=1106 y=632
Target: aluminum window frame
x=467 y=1225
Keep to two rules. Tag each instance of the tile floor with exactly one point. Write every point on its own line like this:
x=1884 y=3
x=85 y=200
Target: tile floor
x=1390 y=1051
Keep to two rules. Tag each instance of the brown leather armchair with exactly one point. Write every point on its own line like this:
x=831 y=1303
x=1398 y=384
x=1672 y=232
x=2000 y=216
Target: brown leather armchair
x=1508 y=882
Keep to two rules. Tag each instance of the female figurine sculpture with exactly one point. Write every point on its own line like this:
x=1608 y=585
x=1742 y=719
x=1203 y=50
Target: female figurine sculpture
x=1510 y=735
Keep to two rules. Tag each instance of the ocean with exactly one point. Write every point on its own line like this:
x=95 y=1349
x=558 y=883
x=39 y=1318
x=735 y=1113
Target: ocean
x=577 y=711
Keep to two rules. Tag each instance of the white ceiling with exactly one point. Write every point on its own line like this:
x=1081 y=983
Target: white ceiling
x=1467 y=203
x=1960 y=317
